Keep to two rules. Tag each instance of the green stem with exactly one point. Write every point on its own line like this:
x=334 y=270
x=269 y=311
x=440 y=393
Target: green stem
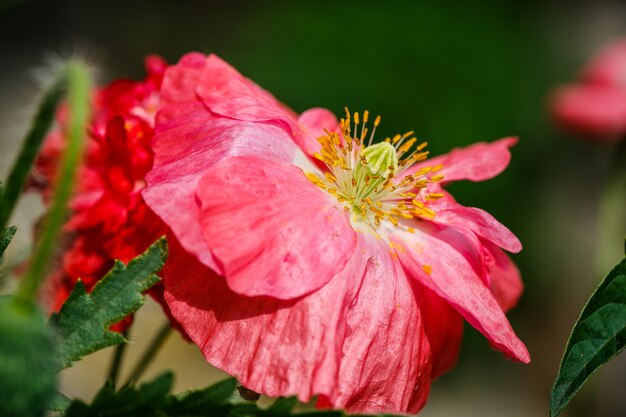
x=155 y=346
x=78 y=81
x=31 y=144
x=612 y=213
x=116 y=363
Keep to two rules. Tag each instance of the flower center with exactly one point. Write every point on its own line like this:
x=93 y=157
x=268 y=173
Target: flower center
x=371 y=181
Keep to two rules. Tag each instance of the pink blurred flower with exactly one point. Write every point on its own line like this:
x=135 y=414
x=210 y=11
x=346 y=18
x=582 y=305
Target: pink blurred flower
x=306 y=262
x=596 y=105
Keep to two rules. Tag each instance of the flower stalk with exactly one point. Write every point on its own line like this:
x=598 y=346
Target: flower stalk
x=78 y=81
x=41 y=125
x=151 y=351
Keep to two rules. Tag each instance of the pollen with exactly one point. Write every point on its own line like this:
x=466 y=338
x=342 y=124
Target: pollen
x=377 y=182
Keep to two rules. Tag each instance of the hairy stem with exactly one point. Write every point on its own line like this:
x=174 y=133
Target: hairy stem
x=32 y=142
x=78 y=81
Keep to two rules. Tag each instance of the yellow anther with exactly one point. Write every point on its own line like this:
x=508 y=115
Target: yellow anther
x=366 y=115
x=407 y=145
x=356 y=117
x=422 y=146
x=396 y=138
x=436 y=178
x=429 y=212
x=393 y=221
x=315 y=180
x=436 y=168
x=428 y=269
x=330 y=177
x=411 y=230
x=407 y=134
x=420 y=156
x=332 y=191
x=377 y=121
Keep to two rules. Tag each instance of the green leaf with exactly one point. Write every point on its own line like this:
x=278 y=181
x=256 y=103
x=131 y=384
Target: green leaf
x=282 y=406
x=59 y=402
x=214 y=400
x=598 y=335
x=84 y=320
x=146 y=401
x=27 y=367
x=152 y=400
x=6 y=235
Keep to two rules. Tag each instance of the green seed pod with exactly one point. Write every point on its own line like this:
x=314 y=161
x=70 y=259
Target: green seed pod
x=381 y=159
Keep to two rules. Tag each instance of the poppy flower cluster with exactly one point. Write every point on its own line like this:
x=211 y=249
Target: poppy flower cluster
x=307 y=257
x=596 y=105
x=109 y=219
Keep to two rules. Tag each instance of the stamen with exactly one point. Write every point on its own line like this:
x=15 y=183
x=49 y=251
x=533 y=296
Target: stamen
x=363 y=178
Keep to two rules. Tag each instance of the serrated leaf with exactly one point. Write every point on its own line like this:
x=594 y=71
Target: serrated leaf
x=6 y=236
x=145 y=401
x=598 y=335
x=84 y=320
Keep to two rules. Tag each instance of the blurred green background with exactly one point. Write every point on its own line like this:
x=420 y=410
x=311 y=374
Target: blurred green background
x=454 y=72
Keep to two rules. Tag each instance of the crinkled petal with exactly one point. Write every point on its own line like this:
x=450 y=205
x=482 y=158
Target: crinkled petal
x=273 y=231
x=188 y=141
x=481 y=223
x=477 y=162
x=278 y=348
x=505 y=278
x=359 y=342
x=594 y=110
x=387 y=360
x=444 y=332
x=441 y=259
x=227 y=93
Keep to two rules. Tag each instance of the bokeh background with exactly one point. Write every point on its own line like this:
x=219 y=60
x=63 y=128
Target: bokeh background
x=455 y=72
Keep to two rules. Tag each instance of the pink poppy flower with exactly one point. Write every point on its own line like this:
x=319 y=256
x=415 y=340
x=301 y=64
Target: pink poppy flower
x=596 y=106
x=306 y=261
